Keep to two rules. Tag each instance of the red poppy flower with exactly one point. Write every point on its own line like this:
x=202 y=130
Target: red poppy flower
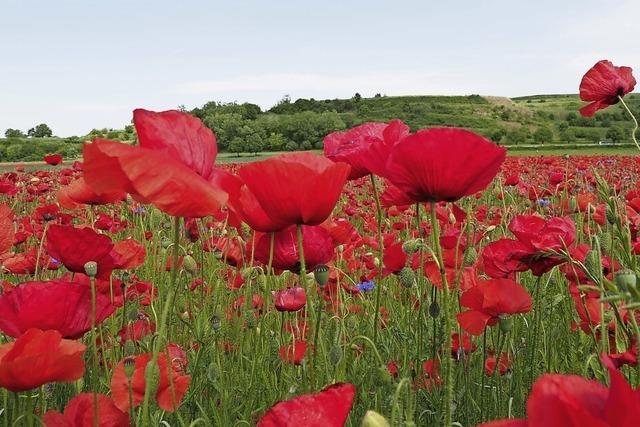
x=79 y=413
x=365 y=147
x=128 y=254
x=24 y=263
x=328 y=408
x=53 y=159
x=293 y=353
x=461 y=345
x=316 y=243
x=170 y=169
x=491 y=300
x=443 y=164
x=572 y=401
x=603 y=84
x=74 y=247
x=503 y=362
x=7 y=230
x=79 y=193
x=292 y=299
x=61 y=306
x=296 y=188
x=169 y=393
x=40 y=357
x=535 y=238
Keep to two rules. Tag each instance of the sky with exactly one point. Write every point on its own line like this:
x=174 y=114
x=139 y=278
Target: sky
x=83 y=64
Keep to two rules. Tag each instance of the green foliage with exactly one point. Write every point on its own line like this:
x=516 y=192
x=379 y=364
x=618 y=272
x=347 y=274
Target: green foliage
x=40 y=131
x=14 y=133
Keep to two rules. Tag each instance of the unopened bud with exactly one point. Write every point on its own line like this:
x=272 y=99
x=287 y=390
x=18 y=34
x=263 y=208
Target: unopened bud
x=190 y=265
x=626 y=279
x=374 y=419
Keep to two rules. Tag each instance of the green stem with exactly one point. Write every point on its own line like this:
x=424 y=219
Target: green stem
x=446 y=357
x=94 y=351
x=162 y=328
x=380 y=257
x=303 y=268
x=635 y=122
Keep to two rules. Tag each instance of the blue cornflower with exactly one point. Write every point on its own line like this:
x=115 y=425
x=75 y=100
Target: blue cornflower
x=544 y=202
x=366 y=286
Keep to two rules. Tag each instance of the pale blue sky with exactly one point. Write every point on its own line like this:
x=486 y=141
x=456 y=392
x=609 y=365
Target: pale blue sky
x=77 y=65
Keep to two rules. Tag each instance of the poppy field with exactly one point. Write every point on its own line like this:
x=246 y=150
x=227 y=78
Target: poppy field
x=403 y=278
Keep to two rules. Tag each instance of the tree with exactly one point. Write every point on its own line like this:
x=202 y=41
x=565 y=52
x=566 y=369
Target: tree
x=615 y=134
x=518 y=135
x=40 y=131
x=543 y=134
x=236 y=146
x=14 y=133
x=568 y=136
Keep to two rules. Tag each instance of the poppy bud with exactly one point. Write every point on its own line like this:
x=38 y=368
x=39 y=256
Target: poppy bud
x=321 y=274
x=606 y=242
x=407 y=277
x=625 y=280
x=506 y=323
x=212 y=374
x=434 y=309
x=129 y=348
x=91 y=268
x=335 y=354
x=190 y=264
x=383 y=376
x=410 y=247
x=129 y=366
x=215 y=322
x=152 y=372
x=610 y=214
x=470 y=256
x=593 y=263
x=165 y=242
x=374 y=419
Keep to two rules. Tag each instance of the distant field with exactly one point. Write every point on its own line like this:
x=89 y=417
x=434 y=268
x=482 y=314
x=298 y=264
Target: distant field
x=226 y=158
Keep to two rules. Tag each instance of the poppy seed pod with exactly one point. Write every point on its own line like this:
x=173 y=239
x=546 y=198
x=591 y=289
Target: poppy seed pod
x=129 y=366
x=91 y=268
x=374 y=419
x=321 y=274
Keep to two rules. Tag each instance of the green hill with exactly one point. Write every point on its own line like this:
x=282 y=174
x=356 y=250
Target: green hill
x=300 y=125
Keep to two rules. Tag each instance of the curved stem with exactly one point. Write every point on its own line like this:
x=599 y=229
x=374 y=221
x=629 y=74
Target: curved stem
x=635 y=121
